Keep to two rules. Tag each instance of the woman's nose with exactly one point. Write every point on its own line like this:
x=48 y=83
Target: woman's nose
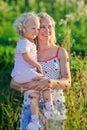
x=47 y=29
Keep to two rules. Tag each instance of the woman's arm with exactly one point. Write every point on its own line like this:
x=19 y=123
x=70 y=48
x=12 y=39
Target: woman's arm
x=19 y=86
x=43 y=83
x=39 y=84
x=65 y=80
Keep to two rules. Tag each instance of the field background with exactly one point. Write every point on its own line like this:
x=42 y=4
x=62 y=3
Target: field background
x=71 y=33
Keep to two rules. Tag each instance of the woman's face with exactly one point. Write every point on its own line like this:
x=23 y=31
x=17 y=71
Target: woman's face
x=45 y=29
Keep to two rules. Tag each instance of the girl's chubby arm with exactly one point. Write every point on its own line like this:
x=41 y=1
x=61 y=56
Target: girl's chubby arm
x=22 y=87
x=31 y=61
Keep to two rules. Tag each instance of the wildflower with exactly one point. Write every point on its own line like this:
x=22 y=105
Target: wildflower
x=62 y=21
x=70 y=17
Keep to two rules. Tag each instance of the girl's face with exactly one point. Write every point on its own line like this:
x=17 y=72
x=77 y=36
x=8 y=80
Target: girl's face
x=45 y=29
x=32 y=29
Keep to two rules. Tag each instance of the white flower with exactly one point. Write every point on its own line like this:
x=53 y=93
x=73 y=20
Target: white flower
x=70 y=17
x=62 y=21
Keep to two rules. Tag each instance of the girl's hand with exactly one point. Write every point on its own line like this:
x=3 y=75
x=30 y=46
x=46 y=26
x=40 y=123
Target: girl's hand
x=39 y=69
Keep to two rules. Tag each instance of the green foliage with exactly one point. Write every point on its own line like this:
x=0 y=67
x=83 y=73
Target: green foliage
x=71 y=33
x=11 y=101
x=70 y=17
x=76 y=97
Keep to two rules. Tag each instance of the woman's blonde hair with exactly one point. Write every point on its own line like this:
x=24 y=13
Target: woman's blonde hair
x=47 y=16
x=20 y=23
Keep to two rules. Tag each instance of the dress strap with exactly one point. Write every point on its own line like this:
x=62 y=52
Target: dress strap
x=57 y=51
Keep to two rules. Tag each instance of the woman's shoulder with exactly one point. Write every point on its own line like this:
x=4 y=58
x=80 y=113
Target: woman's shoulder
x=61 y=49
x=62 y=52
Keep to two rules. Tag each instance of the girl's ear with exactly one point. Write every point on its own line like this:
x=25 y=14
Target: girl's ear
x=24 y=30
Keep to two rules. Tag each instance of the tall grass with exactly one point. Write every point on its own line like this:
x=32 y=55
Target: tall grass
x=76 y=97
x=71 y=31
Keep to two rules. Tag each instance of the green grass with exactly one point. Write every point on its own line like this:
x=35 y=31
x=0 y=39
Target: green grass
x=71 y=31
x=11 y=100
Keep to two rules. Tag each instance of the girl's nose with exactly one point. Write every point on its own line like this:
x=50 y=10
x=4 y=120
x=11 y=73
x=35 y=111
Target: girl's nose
x=36 y=30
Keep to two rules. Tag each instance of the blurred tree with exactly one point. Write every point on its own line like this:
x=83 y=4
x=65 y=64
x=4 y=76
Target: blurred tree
x=38 y=4
x=16 y=2
x=85 y=1
x=10 y=1
x=26 y=3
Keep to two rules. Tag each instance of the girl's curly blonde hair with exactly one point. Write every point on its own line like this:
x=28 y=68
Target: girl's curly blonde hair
x=21 y=23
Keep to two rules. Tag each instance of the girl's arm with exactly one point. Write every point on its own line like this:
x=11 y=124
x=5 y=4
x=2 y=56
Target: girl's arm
x=31 y=61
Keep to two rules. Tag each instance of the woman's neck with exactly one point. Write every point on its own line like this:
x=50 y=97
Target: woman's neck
x=43 y=46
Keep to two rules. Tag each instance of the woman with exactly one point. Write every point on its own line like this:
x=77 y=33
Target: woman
x=55 y=64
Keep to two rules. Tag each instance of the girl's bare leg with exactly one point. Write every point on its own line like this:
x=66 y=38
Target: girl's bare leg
x=34 y=107
x=34 y=103
x=34 y=124
x=48 y=99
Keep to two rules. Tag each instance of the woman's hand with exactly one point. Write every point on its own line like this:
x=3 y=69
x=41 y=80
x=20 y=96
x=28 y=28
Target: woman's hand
x=37 y=84
x=42 y=83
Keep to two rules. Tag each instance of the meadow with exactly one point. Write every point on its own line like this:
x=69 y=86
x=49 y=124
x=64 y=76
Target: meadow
x=71 y=33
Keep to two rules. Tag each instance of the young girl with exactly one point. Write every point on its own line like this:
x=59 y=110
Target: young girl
x=26 y=66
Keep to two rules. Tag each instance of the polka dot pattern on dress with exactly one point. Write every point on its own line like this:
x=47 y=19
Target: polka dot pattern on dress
x=51 y=68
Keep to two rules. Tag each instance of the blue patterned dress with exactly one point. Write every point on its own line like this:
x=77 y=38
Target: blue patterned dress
x=51 y=69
